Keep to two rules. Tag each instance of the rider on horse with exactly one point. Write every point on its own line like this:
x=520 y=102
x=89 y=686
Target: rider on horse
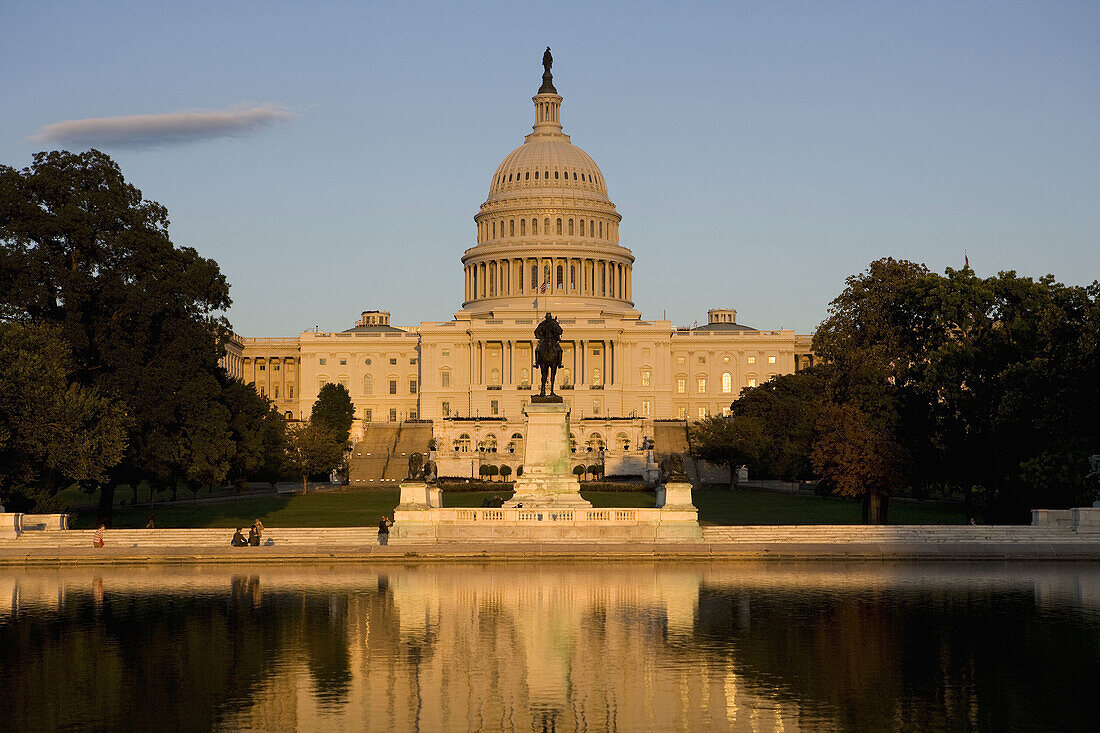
x=548 y=353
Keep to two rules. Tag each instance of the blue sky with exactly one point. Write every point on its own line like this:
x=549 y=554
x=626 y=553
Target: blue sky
x=759 y=153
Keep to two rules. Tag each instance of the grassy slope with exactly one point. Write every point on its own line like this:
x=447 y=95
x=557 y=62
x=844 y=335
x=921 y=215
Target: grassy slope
x=364 y=507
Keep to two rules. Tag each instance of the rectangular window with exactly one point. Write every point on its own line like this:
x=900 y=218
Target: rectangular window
x=445 y=352
x=646 y=408
x=393 y=415
x=645 y=377
x=412 y=386
x=275 y=367
x=343 y=362
x=771 y=359
x=367 y=414
x=446 y=409
x=702 y=412
x=751 y=381
x=494 y=407
x=725 y=412
x=413 y=360
x=702 y=360
x=262 y=392
x=681 y=385
x=393 y=386
x=393 y=362
x=681 y=359
x=752 y=359
x=323 y=361
x=275 y=392
x=701 y=385
x=412 y=414
x=595 y=407
x=290 y=392
x=445 y=379
x=681 y=413
x=262 y=367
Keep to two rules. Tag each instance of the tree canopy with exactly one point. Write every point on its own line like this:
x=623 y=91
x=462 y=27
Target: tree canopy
x=53 y=432
x=333 y=410
x=83 y=251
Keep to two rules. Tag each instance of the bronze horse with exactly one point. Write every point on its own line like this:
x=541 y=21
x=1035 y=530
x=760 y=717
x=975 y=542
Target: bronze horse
x=548 y=354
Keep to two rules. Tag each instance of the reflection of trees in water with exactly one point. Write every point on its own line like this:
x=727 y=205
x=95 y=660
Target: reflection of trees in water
x=930 y=660
x=134 y=661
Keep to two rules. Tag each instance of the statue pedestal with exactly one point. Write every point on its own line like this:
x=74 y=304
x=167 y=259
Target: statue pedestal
x=547 y=479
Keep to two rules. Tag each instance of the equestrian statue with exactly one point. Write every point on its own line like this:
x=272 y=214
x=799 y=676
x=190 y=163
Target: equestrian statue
x=548 y=353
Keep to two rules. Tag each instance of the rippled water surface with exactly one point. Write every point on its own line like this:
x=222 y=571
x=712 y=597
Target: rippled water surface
x=553 y=647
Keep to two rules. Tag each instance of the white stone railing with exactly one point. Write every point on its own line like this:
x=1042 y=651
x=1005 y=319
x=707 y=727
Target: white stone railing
x=519 y=515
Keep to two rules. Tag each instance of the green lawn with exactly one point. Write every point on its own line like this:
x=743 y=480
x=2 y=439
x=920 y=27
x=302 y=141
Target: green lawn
x=358 y=507
x=341 y=508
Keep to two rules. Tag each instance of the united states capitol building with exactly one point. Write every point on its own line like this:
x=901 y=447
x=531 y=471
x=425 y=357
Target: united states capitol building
x=547 y=240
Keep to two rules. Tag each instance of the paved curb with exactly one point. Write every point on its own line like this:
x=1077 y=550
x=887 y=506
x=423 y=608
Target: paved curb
x=1086 y=550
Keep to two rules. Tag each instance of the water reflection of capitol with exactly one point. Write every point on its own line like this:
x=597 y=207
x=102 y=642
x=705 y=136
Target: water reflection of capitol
x=567 y=647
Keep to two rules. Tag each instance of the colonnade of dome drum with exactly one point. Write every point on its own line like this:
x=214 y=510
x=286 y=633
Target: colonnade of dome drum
x=593 y=277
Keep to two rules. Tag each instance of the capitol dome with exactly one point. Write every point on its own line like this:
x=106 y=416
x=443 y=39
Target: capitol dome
x=547 y=226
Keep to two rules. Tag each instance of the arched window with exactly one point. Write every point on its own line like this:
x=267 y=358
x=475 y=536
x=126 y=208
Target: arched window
x=289 y=415
x=559 y=225
x=601 y=228
x=489 y=443
x=582 y=227
x=462 y=443
x=622 y=442
x=534 y=276
x=555 y=175
x=727 y=383
x=536 y=175
x=521 y=278
x=492 y=280
x=527 y=176
x=522 y=227
x=511 y=227
x=594 y=442
x=572 y=277
x=368 y=384
x=494 y=229
x=570 y=227
x=561 y=278
x=591 y=228
x=534 y=226
x=572 y=441
x=516 y=443
x=494 y=377
x=546 y=274
x=546 y=225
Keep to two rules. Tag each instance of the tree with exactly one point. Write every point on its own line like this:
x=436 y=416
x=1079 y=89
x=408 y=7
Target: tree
x=258 y=432
x=786 y=409
x=483 y=471
x=596 y=470
x=493 y=471
x=81 y=249
x=857 y=457
x=505 y=472
x=579 y=472
x=729 y=442
x=53 y=432
x=333 y=409
x=312 y=449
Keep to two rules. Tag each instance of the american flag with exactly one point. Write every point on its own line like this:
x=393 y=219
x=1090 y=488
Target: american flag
x=544 y=287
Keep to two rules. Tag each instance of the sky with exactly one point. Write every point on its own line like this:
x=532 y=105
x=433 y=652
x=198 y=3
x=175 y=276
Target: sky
x=330 y=156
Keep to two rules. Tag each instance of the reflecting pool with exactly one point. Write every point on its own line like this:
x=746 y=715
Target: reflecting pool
x=553 y=647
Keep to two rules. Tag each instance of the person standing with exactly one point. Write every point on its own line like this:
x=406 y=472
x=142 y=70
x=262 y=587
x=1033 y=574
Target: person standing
x=384 y=530
x=259 y=527
x=97 y=539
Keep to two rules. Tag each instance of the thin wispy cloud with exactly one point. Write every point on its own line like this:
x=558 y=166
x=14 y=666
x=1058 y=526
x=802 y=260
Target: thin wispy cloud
x=162 y=129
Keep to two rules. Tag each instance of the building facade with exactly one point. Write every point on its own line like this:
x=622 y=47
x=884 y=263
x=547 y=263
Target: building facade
x=547 y=240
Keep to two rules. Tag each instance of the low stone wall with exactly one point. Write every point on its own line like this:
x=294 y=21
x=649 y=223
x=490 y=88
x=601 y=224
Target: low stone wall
x=1080 y=519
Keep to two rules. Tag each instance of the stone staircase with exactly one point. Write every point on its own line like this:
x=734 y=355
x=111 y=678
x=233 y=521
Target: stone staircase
x=890 y=534
x=412 y=437
x=371 y=454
